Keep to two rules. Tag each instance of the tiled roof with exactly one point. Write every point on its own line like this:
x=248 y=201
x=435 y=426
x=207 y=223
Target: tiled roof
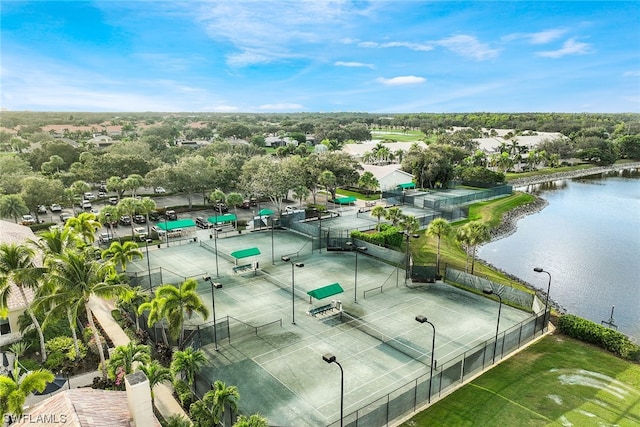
x=82 y=407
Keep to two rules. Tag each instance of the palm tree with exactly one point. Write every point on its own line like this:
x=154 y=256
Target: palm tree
x=463 y=237
x=216 y=197
x=478 y=234
x=15 y=388
x=156 y=374
x=255 y=420
x=328 y=180
x=86 y=225
x=125 y=356
x=437 y=228
x=378 y=212
x=122 y=253
x=178 y=301
x=79 y=276
x=17 y=267
x=129 y=206
x=187 y=363
x=12 y=206
x=394 y=215
x=209 y=410
x=155 y=308
x=132 y=299
x=224 y=398
x=54 y=241
x=147 y=205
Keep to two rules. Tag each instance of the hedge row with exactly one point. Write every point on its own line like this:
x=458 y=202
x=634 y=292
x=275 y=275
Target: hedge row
x=590 y=332
x=388 y=236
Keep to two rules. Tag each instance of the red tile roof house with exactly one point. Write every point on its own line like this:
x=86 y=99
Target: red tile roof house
x=87 y=407
x=9 y=332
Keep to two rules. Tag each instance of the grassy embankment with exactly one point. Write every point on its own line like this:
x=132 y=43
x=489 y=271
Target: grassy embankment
x=556 y=381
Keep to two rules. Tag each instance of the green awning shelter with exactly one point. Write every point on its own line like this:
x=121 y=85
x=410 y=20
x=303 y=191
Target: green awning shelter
x=265 y=212
x=244 y=253
x=172 y=225
x=326 y=291
x=406 y=186
x=221 y=218
x=344 y=200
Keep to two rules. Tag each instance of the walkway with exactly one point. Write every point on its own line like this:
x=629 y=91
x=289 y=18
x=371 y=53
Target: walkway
x=165 y=403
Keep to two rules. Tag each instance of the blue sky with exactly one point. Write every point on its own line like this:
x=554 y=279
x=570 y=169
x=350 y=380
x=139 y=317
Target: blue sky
x=320 y=56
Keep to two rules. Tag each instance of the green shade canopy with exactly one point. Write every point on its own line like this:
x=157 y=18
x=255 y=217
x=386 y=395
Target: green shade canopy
x=326 y=291
x=244 y=253
x=172 y=225
x=344 y=200
x=221 y=218
x=406 y=186
x=265 y=212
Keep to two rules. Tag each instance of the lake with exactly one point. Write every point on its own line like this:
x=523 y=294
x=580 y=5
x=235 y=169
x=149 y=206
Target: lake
x=588 y=239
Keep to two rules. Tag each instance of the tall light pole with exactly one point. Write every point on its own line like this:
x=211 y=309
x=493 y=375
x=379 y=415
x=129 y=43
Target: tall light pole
x=273 y=260
x=488 y=291
x=146 y=245
x=423 y=319
x=166 y=230
x=215 y=242
x=546 y=304
x=330 y=358
x=293 y=286
x=355 y=281
x=214 y=285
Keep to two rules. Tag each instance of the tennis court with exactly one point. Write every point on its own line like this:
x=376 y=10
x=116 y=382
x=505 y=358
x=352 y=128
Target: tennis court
x=278 y=366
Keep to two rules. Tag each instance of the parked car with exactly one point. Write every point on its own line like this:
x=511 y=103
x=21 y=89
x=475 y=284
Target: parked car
x=245 y=205
x=55 y=208
x=64 y=216
x=102 y=194
x=139 y=219
x=125 y=220
x=102 y=187
x=28 y=220
x=159 y=190
x=86 y=204
x=89 y=196
x=154 y=215
x=104 y=238
x=113 y=201
x=221 y=207
x=202 y=222
x=42 y=209
x=171 y=215
x=140 y=233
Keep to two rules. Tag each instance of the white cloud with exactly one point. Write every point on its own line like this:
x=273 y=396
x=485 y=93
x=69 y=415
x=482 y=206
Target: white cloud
x=631 y=73
x=468 y=47
x=352 y=64
x=570 y=47
x=281 y=107
x=401 y=80
x=412 y=46
x=540 y=37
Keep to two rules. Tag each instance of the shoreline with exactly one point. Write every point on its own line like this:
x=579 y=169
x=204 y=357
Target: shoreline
x=509 y=223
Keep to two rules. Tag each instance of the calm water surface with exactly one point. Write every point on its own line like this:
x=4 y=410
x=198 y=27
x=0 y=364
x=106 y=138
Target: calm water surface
x=588 y=238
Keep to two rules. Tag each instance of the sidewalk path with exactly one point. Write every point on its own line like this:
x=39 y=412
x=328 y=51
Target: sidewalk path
x=163 y=393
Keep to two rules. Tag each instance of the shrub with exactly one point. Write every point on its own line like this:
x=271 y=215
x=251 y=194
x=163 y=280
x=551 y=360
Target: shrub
x=590 y=332
x=388 y=236
x=55 y=361
x=64 y=345
x=30 y=364
x=184 y=393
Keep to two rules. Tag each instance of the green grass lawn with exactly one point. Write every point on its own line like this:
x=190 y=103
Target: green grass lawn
x=556 y=381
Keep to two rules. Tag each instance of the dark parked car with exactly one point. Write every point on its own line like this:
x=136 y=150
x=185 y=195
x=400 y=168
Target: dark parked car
x=154 y=215
x=125 y=220
x=221 y=207
x=139 y=219
x=202 y=222
x=171 y=215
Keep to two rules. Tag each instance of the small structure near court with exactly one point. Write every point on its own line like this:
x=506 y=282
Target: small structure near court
x=245 y=253
x=322 y=293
